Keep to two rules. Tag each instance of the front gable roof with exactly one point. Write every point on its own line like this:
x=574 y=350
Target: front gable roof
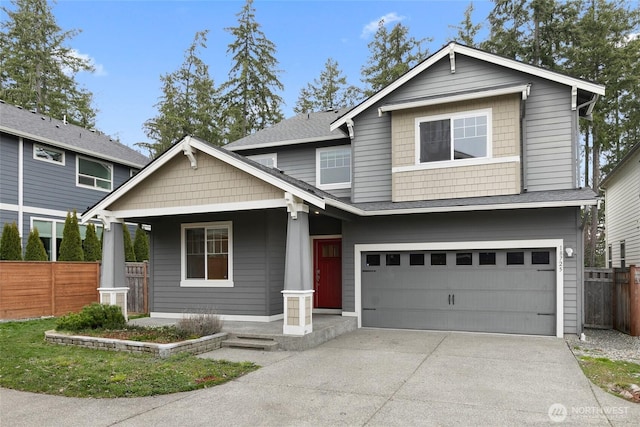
x=57 y=133
x=585 y=89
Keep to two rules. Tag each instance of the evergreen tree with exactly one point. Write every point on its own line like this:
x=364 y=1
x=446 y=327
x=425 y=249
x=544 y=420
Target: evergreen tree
x=329 y=91
x=10 y=244
x=141 y=245
x=467 y=30
x=35 y=250
x=37 y=69
x=91 y=245
x=251 y=99
x=71 y=245
x=129 y=254
x=188 y=105
x=392 y=53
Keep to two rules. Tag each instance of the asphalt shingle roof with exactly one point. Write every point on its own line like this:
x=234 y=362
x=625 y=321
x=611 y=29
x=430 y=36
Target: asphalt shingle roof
x=55 y=132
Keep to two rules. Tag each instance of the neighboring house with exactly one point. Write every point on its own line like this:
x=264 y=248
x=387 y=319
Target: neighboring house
x=448 y=200
x=49 y=167
x=622 y=211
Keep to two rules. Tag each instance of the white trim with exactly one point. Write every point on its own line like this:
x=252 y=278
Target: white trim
x=523 y=89
x=34 y=210
x=335 y=185
x=287 y=142
x=229 y=317
x=214 y=283
x=473 y=53
x=269 y=156
x=215 y=153
x=215 y=207
x=94 y=187
x=457 y=163
x=40 y=159
x=69 y=147
x=20 y=187
x=557 y=244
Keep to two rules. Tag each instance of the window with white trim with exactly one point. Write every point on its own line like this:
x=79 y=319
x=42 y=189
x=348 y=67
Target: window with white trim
x=48 y=154
x=50 y=232
x=207 y=254
x=453 y=137
x=94 y=174
x=333 y=167
x=269 y=160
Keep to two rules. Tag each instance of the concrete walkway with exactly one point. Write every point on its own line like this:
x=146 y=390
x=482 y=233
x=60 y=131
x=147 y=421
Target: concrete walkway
x=367 y=377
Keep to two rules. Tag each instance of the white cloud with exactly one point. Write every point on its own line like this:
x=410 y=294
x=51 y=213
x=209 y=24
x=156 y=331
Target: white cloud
x=100 y=71
x=372 y=26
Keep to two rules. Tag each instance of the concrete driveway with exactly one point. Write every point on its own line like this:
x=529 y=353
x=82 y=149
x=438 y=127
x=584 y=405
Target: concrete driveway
x=367 y=377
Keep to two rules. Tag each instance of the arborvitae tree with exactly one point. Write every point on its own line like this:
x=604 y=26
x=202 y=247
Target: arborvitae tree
x=71 y=245
x=37 y=68
x=35 y=250
x=467 y=30
x=392 y=53
x=251 y=99
x=141 y=245
x=188 y=105
x=10 y=244
x=129 y=254
x=91 y=245
x=327 y=92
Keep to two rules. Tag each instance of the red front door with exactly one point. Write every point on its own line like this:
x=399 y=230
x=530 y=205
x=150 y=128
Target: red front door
x=327 y=267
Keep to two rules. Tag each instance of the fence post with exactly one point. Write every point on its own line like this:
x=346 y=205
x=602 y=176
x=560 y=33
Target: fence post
x=145 y=289
x=634 y=301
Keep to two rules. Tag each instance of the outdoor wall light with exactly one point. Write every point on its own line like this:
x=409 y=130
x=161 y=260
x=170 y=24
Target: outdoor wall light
x=569 y=252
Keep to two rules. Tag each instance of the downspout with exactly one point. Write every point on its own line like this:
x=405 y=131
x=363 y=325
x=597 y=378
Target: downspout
x=352 y=136
x=523 y=153
x=21 y=189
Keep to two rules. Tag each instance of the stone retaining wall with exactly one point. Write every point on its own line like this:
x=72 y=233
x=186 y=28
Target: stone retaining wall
x=195 y=346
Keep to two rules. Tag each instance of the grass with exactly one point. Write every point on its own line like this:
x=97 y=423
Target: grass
x=28 y=363
x=612 y=376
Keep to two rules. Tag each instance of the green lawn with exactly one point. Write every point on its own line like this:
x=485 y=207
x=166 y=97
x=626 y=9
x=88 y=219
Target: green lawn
x=29 y=363
x=612 y=376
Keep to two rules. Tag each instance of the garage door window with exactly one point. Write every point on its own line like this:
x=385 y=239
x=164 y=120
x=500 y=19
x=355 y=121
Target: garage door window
x=438 y=259
x=487 y=258
x=464 y=258
x=540 y=257
x=515 y=258
x=393 y=259
x=416 y=259
x=373 y=260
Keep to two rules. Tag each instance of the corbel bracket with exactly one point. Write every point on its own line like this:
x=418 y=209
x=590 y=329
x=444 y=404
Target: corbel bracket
x=188 y=151
x=294 y=205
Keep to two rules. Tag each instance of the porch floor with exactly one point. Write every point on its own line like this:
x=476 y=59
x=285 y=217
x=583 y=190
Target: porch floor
x=325 y=328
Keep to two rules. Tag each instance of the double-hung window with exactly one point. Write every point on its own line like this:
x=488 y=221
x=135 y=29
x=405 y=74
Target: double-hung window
x=453 y=137
x=207 y=254
x=333 y=167
x=94 y=174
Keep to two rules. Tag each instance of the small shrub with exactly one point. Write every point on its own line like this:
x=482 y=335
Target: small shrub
x=91 y=245
x=94 y=316
x=10 y=244
x=141 y=245
x=129 y=254
x=71 y=245
x=200 y=324
x=35 y=250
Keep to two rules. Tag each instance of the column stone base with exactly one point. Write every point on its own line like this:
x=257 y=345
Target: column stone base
x=115 y=296
x=298 y=307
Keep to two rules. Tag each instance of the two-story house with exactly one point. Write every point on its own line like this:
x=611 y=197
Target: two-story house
x=448 y=200
x=49 y=167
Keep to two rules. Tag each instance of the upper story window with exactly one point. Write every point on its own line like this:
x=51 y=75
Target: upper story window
x=48 y=154
x=207 y=254
x=333 y=167
x=453 y=137
x=269 y=160
x=94 y=174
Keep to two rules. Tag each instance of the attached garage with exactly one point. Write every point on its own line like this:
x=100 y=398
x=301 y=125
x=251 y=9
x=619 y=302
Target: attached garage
x=475 y=288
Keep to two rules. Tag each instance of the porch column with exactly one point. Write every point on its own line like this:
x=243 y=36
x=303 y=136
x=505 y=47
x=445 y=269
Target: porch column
x=113 y=289
x=298 y=289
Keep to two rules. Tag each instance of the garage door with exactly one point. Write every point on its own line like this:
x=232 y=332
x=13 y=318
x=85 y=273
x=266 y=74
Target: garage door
x=506 y=291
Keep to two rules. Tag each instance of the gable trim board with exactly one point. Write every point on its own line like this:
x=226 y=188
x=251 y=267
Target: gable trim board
x=452 y=49
x=557 y=244
x=287 y=142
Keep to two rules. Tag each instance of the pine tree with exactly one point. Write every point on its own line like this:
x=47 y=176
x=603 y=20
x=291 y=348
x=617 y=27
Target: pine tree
x=467 y=30
x=329 y=91
x=141 y=245
x=129 y=254
x=71 y=245
x=188 y=105
x=392 y=53
x=91 y=245
x=35 y=250
x=10 y=244
x=38 y=69
x=251 y=99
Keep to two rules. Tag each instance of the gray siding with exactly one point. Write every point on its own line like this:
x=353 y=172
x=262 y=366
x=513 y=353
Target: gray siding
x=473 y=226
x=8 y=169
x=258 y=266
x=371 y=176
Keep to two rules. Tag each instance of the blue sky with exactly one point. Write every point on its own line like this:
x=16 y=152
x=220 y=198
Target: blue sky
x=132 y=43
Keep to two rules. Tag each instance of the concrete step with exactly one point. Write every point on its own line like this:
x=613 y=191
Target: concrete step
x=251 y=343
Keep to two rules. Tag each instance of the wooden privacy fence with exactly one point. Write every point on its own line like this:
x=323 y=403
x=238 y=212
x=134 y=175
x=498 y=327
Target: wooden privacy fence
x=598 y=298
x=38 y=288
x=136 y=278
x=626 y=312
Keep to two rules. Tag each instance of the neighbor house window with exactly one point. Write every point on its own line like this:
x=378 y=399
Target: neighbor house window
x=623 y=262
x=48 y=154
x=610 y=256
x=94 y=174
x=50 y=232
x=453 y=137
x=268 y=160
x=333 y=167
x=207 y=254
